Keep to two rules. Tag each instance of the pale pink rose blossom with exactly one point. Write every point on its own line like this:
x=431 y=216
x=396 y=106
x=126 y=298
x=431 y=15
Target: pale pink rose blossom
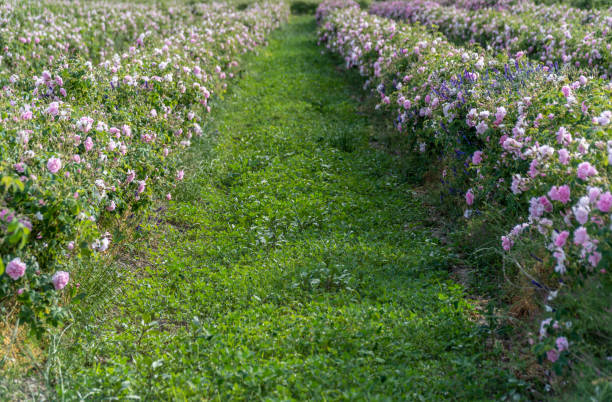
x=562 y=343
x=60 y=279
x=605 y=202
x=469 y=197
x=15 y=269
x=561 y=238
x=585 y=170
x=552 y=355
x=54 y=165
x=580 y=236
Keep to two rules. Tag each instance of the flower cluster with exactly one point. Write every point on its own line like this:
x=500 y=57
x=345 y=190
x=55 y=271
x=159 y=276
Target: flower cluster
x=528 y=140
x=95 y=104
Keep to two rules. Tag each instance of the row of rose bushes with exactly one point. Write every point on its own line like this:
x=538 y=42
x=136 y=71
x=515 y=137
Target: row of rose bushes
x=543 y=12
x=81 y=142
x=562 y=12
x=519 y=34
x=528 y=144
x=478 y=4
x=37 y=36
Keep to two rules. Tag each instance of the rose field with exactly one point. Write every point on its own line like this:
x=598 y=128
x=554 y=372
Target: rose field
x=306 y=200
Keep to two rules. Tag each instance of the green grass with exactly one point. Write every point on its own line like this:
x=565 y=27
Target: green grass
x=293 y=264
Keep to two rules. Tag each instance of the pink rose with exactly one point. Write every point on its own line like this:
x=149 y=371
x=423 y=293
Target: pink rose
x=563 y=136
x=54 y=165
x=141 y=186
x=561 y=238
x=84 y=124
x=552 y=355
x=481 y=127
x=15 y=268
x=131 y=175
x=53 y=109
x=595 y=258
x=566 y=91
x=500 y=114
x=477 y=157
x=564 y=156
x=562 y=343
x=111 y=206
x=60 y=279
x=605 y=202
x=469 y=197
x=586 y=170
x=545 y=203
x=594 y=194
x=88 y=144
x=561 y=194
x=581 y=214
x=580 y=236
x=507 y=243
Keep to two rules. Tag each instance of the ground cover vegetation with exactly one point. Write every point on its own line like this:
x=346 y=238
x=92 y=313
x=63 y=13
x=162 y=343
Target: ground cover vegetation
x=432 y=224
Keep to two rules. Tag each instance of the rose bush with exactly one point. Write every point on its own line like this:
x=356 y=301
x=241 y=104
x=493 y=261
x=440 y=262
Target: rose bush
x=96 y=102
x=527 y=140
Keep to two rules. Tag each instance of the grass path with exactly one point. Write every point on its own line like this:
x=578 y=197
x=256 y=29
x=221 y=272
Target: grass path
x=292 y=264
